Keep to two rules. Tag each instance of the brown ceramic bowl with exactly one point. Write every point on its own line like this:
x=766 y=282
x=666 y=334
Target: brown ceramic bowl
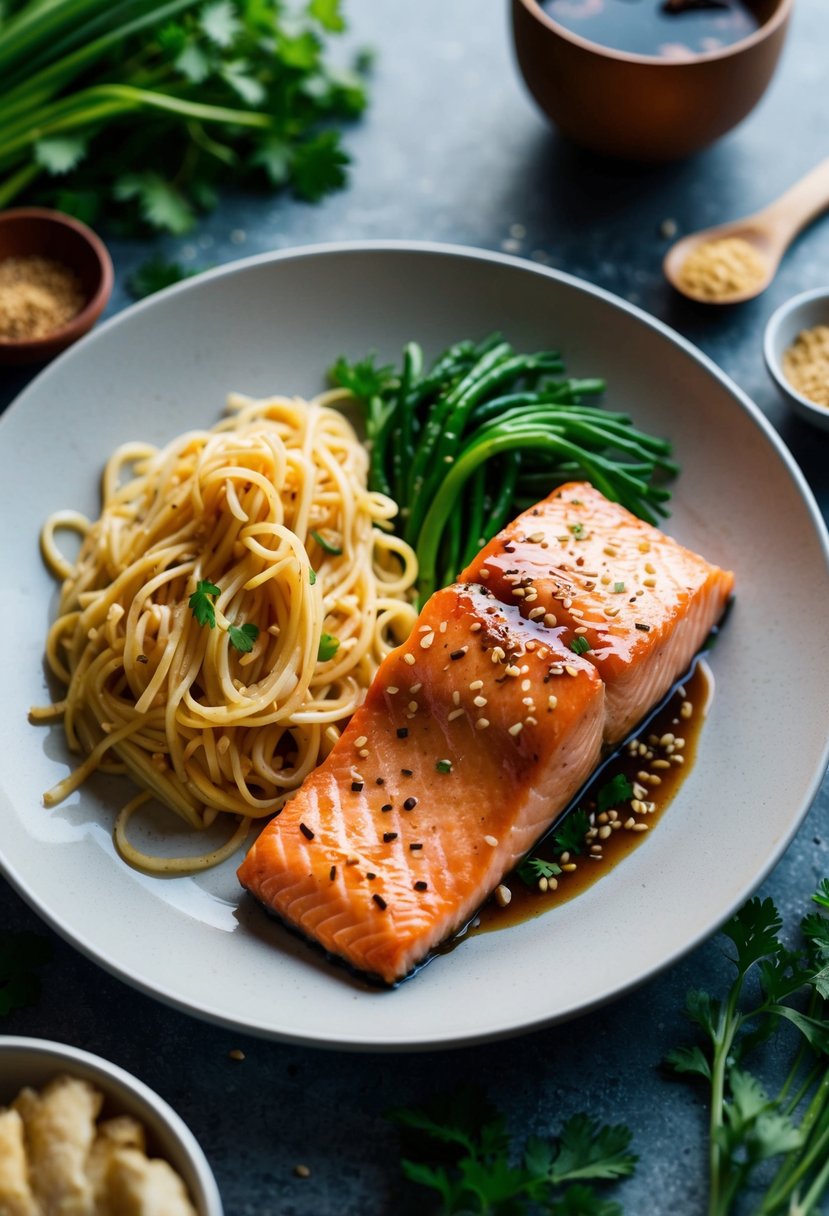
x=26 y=231
x=640 y=107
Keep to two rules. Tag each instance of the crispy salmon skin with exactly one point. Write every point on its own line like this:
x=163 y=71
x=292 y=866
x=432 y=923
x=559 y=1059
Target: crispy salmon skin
x=642 y=603
x=472 y=737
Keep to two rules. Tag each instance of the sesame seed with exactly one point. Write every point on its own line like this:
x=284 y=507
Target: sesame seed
x=475 y=627
x=458 y=654
x=392 y=689
x=482 y=723
x=604 y=831
x=582 y=629
x=660 y=764
x=480 y=702
x=516 y=728
x=639 y=827
x=483 y=573
x=236 y=1053
x=332 y=873
x=302 y=1171
x=610 y=551
x=356 y=787
x=412 y=707
x=503 y=895
x=571 y=671
x=456 y=713
x=526 y=685
x=420 y=885
x=491 y=841
x=535 y=614
x=550 y=619
x=648 y=582
x=381 y=903
x=415 y=688
x=410 y=804
x=363 y=752
x=528 y=701
x=361 y=742
x=686 y=710
x=650 y=568
x=402 y=732
x=407 y=772
x=512 y=670
x=442 y=627
x=352 y=860
x=552 y=702
x=388 y=837
x=569 y=867
x=386 y=806
x=456 y=697
x=475 y=685
x=642 y=627
x=677 y=758
x=644 y=546
x=531 y=721
x=629 y=823
x=415 y=846
x=306 y=831
x=426 y=641
x=542 y=884
x=536 y=537
x=410 y=659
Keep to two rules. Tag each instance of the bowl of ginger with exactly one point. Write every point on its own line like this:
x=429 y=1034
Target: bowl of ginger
x=55 y=280
x=796 y=350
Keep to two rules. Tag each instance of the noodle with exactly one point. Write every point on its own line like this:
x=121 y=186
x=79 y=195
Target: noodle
x=267 y=517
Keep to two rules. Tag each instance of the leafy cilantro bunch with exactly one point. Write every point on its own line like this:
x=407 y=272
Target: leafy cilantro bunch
x=773 y=986
x=140 y=110
x=459 y=1147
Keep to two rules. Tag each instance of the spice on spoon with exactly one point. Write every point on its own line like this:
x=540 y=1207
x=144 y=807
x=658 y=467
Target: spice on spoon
x=37 y=296
x=806 y=364
x=719 y=269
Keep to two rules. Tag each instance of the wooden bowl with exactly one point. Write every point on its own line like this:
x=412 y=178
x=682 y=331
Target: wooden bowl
x=640 y=107
x=28 y=231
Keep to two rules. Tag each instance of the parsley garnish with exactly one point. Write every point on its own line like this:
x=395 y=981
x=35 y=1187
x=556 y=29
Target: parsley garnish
x=242 y=637
x=328 y=647
x=460 y=1147
x=202 y=603
x=326 y=545
x=20 y=954
x=773 y=984
x=580 y=645
x=533 y=868
x=156 y=274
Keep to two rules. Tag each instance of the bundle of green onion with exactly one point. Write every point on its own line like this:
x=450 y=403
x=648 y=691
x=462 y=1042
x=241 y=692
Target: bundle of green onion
x=483 y=433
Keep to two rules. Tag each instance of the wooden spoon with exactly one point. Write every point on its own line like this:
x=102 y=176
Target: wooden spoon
x=769 y=232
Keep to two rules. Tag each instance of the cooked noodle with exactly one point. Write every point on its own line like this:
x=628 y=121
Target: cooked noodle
x=271 y=507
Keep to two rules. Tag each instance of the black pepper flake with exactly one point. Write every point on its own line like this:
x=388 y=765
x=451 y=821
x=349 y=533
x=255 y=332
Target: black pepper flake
x=386 y=806
x=381 y=903
x=141 y=658
x=379 y=781
x=371 y=877
x=644 y=628
x=332 y=873
x=421 y=885
x=457 y=654
x=410 y=804
x=388 y=837
x=413 y=848
x=306 y=832
x=402 y=732
x=407 y=772
x=356 y=786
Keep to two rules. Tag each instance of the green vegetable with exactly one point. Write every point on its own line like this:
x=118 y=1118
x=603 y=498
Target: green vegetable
x=328 y=647
x=773 y=985
x=155 y=274
x=533 y=868
x=201 y=603
x=326 y=545
x=460 y=1147
x=444 y=766
x=481 y=434
x=140 y=110
x=312 y=577
x=617 y=790
x=242 y=637
x=580 y=645
x=20 y=955
x=569 y=836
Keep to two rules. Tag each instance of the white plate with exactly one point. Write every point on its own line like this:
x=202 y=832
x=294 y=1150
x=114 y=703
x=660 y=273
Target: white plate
x=274 y=324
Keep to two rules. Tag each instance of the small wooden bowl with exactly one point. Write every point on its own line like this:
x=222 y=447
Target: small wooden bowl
x=30 y=231
x=640 y=107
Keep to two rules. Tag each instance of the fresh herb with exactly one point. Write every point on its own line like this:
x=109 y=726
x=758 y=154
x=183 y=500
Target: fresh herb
x=20 y=955
x=464 y=444
x=328 y=647
x=773 y=985
x=569 y=837
x=617 y=790
x=460 y=1147
x=202 y=603
x=580 y=645
x=326 y=545
x=444 y=766
x=312 y=577
x=242 y=637
x=154 y=275
x=142 y=110
x=533 y=868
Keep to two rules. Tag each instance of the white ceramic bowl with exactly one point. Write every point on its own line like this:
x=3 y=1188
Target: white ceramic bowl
x=36 y=1061
x=804 y=311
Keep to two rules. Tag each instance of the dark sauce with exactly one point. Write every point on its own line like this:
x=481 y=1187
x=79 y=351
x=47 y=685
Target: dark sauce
x=667 y=29
x=673 y=721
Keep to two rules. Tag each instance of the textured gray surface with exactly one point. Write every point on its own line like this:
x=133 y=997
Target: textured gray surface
x=453 y=149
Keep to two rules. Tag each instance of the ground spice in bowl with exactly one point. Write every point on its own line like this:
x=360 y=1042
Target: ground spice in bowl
x=37 y=296
x=718 y=269
x=806 y=364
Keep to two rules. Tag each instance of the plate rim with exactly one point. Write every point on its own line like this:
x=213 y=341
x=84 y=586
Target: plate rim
x=353 y=1041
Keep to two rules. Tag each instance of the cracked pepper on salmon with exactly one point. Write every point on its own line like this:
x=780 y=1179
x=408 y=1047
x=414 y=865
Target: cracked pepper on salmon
x=561 y=635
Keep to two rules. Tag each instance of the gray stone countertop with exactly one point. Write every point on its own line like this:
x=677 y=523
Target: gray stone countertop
x=453 y=149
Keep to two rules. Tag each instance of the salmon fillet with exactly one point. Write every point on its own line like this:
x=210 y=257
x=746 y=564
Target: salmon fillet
x=642 y=603
x=473 y=736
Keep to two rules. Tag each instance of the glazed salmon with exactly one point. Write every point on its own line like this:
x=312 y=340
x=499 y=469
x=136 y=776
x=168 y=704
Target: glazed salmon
x=473 y=736
x=641 y=603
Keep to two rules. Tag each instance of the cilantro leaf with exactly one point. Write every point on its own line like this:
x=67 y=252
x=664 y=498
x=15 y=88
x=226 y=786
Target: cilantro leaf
x=319 y=166
x=587 y=1150
x=242 y=637
x=753 y=930
x=58 y=154
x=618 y=789
x=689 y=1059
x=328 y=647
x=161 y=203
x=821 y=895
x=533 y=868
x=569 y=838
x=201 y=602
x=154 y=275
x=274 y=155
x=20 y=954
x=220 y=23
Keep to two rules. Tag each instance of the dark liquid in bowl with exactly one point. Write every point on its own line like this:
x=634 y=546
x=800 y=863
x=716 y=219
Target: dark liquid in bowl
x=667 y=29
